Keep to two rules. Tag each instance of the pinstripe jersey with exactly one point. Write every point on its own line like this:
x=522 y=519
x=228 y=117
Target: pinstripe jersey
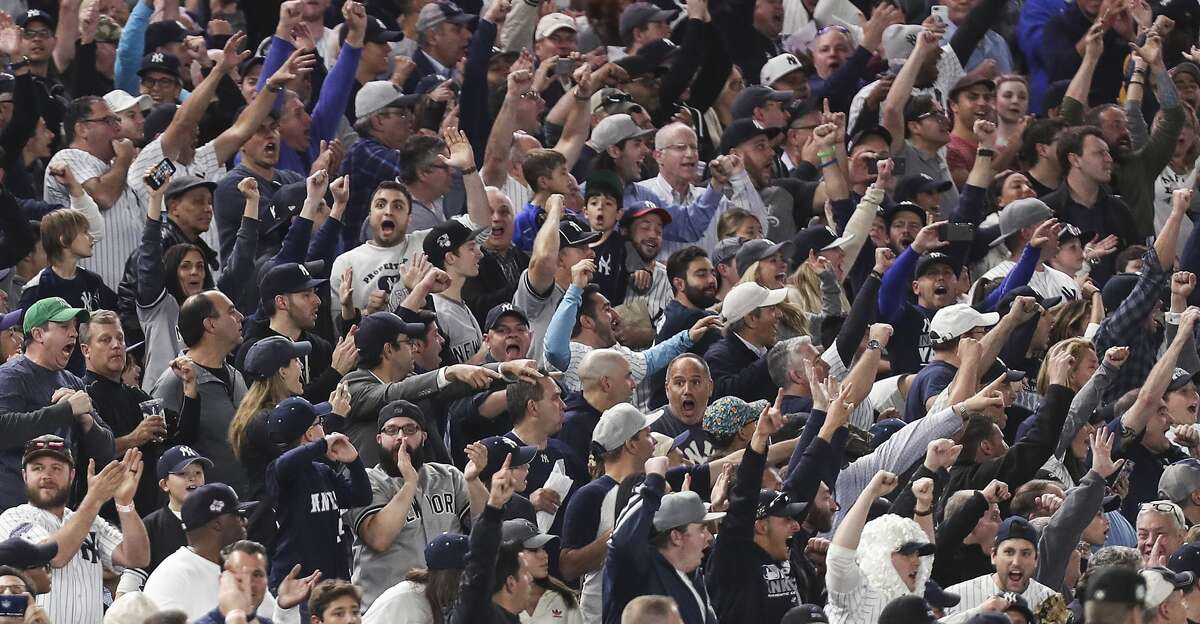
x=77 y=591
x=123 y=222
x=637 y=367
x=980 y=588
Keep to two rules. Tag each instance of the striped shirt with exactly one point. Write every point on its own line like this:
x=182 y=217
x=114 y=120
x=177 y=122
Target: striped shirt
x=122 y=222
x=204 y=165
x=852 y=599
x=975 y=591
x=637 y=366
x=742 y=195
x=77 y=589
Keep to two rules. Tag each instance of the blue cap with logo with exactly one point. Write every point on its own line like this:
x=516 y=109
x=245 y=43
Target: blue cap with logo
x=447 y=551
x=292 y=417
x=177 y=458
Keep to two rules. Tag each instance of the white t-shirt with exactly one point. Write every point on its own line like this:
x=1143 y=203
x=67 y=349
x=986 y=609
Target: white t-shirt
x=1047 y=281
x=76 y=589
x=376 y=268
x=402 y=603
x=190 y=583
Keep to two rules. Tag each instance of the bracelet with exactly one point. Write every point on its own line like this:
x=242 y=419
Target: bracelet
x=1137 y=82
x=876 y=275
x=829 y=163
x=922 y=514
x=467 y=172
x=125 y=508
x=825 y=154
x=581 y=98
x=985 y=151
x=275 y=88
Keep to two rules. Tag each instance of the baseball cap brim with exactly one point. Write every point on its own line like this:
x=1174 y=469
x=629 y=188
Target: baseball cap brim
x=943 y=261
x=538 y=541
x=184 y=463
x=790 y=510
x=713 y=516
x=197 y=183
x=10 y=320
x=586 y=240
x=918 y=548
x=838 y=243
x=522 y=456
x=32 y=455
x=774 y=297
x=1111 y=503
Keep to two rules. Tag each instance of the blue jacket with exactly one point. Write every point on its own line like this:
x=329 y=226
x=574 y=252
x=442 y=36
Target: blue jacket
x=635 y=568
x=309 y=501
x=331 y=103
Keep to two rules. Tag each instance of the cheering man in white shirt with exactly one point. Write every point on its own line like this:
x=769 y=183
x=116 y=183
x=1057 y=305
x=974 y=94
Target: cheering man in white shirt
x=1015 y=558
x=86 y=544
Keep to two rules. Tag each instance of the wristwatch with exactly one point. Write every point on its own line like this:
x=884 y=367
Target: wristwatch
x=874 y=345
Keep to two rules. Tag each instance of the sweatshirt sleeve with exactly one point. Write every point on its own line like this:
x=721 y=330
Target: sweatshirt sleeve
x=891 y=292
x=474 y=602
x=557 y=343
x=130 y=49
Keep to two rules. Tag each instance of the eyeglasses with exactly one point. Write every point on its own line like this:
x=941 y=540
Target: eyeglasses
x=159 y=82
x=394 y=430
x=1166 y=507
x=111 y=120
x=37 y=34
x=402 y=114
x=41 y=445
x=682 y=147
x=938 y=114
x=835 y=28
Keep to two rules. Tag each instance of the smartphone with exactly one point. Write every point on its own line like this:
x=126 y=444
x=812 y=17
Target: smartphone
x=13 y=606
x=158 y=176
x=957 y=232
x=1122 y=473
x=564 y=67
x=940 y=11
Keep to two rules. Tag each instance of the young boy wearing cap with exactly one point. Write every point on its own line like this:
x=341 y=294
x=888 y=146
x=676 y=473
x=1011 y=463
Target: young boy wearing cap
x=180 y=471
x=452 y=247
x=309 y=496
x=411 y=499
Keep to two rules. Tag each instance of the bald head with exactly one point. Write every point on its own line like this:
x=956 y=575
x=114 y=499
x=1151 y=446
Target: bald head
x=651 y=610
x=672 y=134
x=605 y=378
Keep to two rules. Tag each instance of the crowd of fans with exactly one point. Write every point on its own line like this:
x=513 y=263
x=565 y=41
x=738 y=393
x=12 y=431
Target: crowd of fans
x=599 y=312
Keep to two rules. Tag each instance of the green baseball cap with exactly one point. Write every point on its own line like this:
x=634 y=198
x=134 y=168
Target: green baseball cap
x=52 y=310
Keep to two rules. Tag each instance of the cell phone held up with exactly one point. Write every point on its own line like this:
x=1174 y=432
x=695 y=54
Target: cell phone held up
x=940 y=11
x=13 y=606
x=956 y=232
x=160 y=173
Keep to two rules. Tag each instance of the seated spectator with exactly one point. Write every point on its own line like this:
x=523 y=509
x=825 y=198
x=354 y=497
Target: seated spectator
x=426 y=593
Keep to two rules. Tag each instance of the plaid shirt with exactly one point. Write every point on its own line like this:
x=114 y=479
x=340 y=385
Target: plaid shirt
x=1125 y=328
x=370 y=162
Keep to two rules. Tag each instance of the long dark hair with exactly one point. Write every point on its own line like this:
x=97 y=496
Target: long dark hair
x=172 y=258
x=552 y=584
x=441 y=589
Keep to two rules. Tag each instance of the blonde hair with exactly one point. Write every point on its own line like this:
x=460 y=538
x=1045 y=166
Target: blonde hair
x=791 y=315
x=804 y=288
x=1074 y=346
x=731 y=221
x=1072 y=313
x=263 y=394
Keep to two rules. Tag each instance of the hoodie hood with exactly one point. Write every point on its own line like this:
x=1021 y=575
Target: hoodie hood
x=880 y=538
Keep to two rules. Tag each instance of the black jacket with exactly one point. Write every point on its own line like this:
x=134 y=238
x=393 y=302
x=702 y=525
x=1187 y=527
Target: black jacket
x=737 y=371
x=474 y=604
x=493 y=285
x=127 y=290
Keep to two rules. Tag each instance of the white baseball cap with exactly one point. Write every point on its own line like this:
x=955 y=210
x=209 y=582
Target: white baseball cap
x=953 y=321
x=120 y=101
x=748 y=297
x=552 y=22
x=779 y=67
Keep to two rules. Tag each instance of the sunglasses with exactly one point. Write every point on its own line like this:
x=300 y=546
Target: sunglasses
x=1166 y=507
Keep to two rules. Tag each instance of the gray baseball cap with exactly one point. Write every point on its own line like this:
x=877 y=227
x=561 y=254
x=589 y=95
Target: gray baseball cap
x=681 y=509
x=618 y=424
x=1179 y=480
x=1021 y=214
x=380 y=94
x=616 y=128
x=726 y=250
x=639 y=14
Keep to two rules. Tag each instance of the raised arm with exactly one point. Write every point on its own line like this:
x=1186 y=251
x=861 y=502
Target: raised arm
x=462 y=158
x=229 y=142
x=496 y=157
x=379 y=530
x=183 y=125
x=892 y=113
x=152 y=278
x=543 y=262
x=1133 y=421
x=1091 y=46
x=240 y=266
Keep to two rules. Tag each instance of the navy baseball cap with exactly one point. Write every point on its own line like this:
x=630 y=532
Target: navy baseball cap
x=157 y=120
x=447 y=551
x=805 y=614
x=292 y=417
x=575 y=232
x=917 y=548
x=931 y=259
x=10 y=320
x=161 y=33
x=909 y=609
x=1116 y=584
x=35 y=14
x=272 y=353
x=162 y=63
x=291 y=277
x=380 y=328
x=1186 y=559
x=1016 y=527
x=908 y=186
x=499 y=448
x=48 y=444
x=939 y=598
x=524 y=532
x=25 y=555
x=755 y=96
x=777 y=504
x=883 y=430
x=209 y=502
x=177 y=458
x=494 y=315
x=398 y=408
x=741 y=131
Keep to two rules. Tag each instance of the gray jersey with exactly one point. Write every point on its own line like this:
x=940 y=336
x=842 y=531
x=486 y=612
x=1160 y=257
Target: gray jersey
x=455 y=321
x=441 y=504
x=539 y=308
